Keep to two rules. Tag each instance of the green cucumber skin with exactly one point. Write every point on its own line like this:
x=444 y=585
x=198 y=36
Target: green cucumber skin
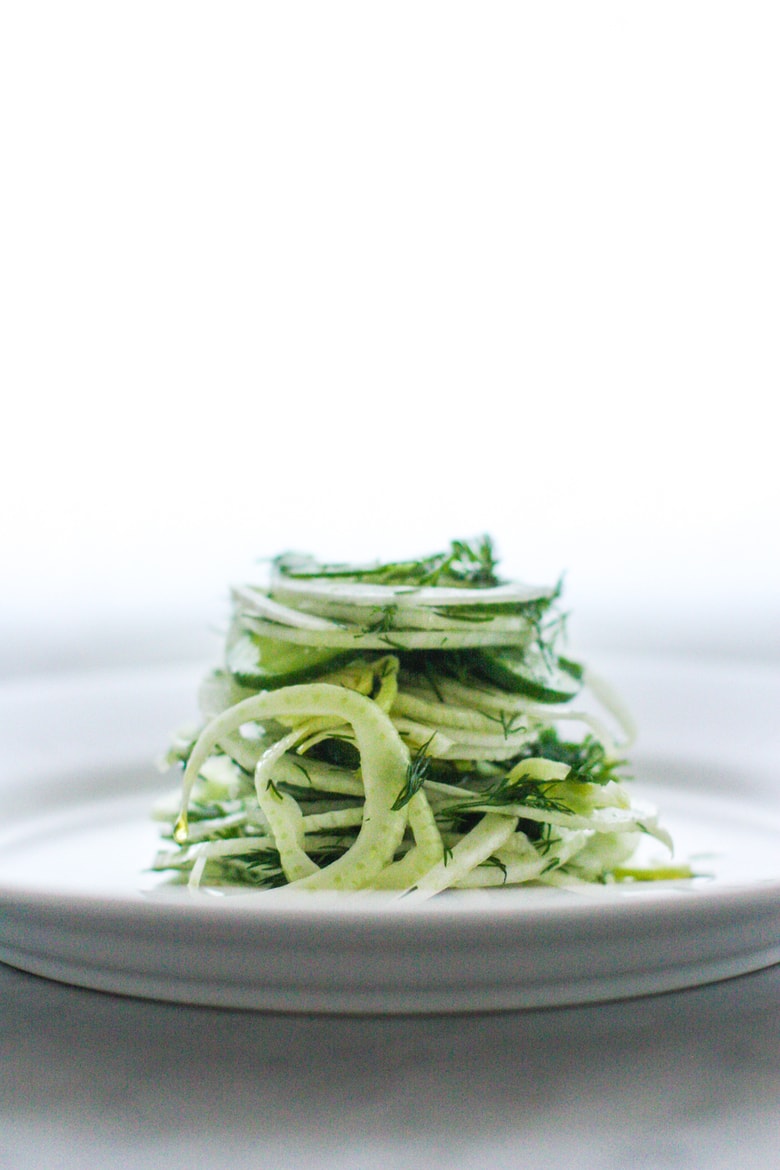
x=296 y=665
x=499 y=669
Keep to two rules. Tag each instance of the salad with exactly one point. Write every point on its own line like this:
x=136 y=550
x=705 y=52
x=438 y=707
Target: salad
x=410 y=726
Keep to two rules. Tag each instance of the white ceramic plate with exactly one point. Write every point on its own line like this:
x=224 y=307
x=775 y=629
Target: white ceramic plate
x=77 y=905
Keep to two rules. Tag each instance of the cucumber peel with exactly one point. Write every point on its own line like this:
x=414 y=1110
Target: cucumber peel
x=266 y=663
x=524 y=673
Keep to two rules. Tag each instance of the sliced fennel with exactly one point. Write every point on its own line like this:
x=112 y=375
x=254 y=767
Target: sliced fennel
x=409 y=727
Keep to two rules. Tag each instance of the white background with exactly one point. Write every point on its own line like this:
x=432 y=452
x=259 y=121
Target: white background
x=361 y=277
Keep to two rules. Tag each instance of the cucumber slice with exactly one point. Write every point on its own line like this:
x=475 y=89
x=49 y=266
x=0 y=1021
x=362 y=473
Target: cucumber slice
x=258 y=661
x=524 y=673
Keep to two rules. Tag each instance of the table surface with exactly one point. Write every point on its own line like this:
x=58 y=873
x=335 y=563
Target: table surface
x=689 y=1080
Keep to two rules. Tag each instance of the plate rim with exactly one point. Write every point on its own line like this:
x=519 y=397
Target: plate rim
x=177 y=912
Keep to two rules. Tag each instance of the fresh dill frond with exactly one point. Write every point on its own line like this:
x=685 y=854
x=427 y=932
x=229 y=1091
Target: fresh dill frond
x=510 y=792
x=587 y=757
x=510 y=722
x=416 y=774
x=469 y=563
x=495 y=863
x=384 y=621
x=542 y=835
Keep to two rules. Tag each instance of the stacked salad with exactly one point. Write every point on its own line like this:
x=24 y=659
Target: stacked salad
x=410 y=726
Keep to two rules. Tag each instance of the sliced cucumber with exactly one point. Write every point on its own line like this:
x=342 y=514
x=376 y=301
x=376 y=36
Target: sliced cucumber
x=258 y=661
x=525 y=673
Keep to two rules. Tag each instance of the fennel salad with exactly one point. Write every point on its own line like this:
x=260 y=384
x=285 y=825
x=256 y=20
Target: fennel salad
x=409 y=726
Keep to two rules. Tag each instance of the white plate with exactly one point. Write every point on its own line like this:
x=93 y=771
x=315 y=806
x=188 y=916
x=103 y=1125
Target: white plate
x=77 y=905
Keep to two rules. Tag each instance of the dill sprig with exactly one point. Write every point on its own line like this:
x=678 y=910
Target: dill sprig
x=416 y=774
x=505 y=792
x=510 y=722
x=469 y=563
x=383 y=623
x=587 y=757
x=494 y=862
